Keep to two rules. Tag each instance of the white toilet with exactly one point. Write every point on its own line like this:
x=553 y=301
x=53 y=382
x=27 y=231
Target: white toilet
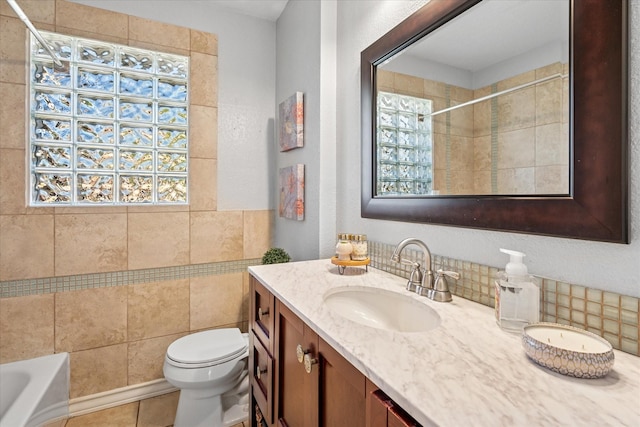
x=210 y=369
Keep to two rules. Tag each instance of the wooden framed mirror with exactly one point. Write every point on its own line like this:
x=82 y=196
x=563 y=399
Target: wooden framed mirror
x=594 y=206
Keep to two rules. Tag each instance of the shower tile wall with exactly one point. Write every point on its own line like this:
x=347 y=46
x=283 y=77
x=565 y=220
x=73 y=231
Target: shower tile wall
x=115 y=285
x=507 y=145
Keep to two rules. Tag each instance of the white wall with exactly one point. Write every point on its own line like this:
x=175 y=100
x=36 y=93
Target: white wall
x=246 y=92
x=613 y=267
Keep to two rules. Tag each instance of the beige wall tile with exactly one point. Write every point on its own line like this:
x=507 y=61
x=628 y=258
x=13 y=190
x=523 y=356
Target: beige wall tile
x=158 y=411
x=90 y=243
x=439 y=122
x=12 y=115
x=516 y=181
x=384 y=78
x=13 y=36
x=461 y=182
x=555 y=68
x=439 y=151
x=482 y=182
x=26 y=327
x=156 y=309
x=158 y=240
x=523 y=78
x=146 y=357
x=461 y=150
x=516 y=110
x=160 y=33
x=216 y=301
x=549 y=102
x=87 y=18
x=90 y=318
x=216 y=236
x=552 y=179
x=204 y=80
x=26 y=246
x=158 y=47
x=97 y=370
x=482 y=118
x=120 y=416
x=204 y=42
x=40 y=11
x=12 y=182
x=433 y=88
x=203 y=135
x=552 y=146
x=516 y=149
x=409 y=85
x=203 y=196
x=482 y=153
x=258 y=233
x=460 y=94
x=66 y=210
x=461 y=120
x=91 y=34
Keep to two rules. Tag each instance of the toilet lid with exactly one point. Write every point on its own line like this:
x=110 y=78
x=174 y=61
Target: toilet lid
x=208 y=347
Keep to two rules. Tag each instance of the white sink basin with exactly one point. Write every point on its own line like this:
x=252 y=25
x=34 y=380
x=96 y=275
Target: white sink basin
x=381 y=309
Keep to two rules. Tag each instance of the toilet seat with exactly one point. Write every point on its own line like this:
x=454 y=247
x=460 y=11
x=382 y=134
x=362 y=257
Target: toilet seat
x=208 y=348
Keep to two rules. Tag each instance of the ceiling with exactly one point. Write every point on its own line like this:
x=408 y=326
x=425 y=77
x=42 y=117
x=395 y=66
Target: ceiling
x=265 y=9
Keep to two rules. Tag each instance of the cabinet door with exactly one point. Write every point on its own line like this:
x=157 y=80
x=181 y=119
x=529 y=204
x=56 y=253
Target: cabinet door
x=342 y=390
x=261 y=370
x=384 y=412
x=296 y=389
x=261 y=319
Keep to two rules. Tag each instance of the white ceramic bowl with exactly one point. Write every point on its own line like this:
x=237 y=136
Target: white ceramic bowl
x=568 y=350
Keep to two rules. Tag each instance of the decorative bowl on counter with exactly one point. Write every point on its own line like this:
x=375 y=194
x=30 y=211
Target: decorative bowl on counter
x=568 y=350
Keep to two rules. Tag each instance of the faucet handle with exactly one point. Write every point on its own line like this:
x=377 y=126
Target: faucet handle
x=441 y=291
x=452 y=274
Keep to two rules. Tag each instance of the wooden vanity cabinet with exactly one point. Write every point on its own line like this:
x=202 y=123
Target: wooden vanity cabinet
x=384 y=412
x=322 y=390
x=261 y=359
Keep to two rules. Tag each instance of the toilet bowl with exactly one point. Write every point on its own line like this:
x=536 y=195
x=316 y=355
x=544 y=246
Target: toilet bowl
x=210 y=369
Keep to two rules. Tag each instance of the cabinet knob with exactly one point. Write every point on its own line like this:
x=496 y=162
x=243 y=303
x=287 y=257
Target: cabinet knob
x=261 y=313
x=259 y=372
x=300 y=352
x=309 y=362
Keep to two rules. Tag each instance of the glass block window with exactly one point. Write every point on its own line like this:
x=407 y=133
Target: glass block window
x=109 y=127
x=404 y=145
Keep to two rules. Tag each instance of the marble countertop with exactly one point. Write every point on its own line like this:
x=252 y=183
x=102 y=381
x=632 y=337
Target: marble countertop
x=467 y=371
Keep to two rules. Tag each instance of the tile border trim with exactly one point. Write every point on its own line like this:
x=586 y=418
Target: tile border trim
x=47 y=285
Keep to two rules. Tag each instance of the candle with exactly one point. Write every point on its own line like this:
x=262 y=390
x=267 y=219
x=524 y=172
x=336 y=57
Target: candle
x=568 y=339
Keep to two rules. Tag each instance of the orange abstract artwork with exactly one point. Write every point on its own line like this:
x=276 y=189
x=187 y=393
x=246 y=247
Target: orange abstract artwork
x=292 y=192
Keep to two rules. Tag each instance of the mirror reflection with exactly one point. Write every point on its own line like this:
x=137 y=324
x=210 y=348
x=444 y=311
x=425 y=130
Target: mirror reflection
x=480 y=106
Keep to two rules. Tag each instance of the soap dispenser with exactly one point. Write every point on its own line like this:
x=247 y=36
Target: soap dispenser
x=517 y=301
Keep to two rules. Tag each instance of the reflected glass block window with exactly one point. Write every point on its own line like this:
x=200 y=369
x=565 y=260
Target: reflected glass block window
x=404 y=145
x=108 y=127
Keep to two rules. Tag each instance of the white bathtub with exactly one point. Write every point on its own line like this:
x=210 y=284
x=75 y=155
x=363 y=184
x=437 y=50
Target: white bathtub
x=35 y=391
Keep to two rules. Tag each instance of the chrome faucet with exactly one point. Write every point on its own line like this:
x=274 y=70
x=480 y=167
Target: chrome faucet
x=421 y=282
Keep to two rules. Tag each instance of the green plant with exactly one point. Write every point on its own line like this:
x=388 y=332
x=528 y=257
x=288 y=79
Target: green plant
x=275 y=256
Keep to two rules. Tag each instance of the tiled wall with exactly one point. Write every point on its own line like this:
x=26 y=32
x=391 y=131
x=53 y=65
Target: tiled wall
x=510 y=144
x=115 y=285
x=610 y=315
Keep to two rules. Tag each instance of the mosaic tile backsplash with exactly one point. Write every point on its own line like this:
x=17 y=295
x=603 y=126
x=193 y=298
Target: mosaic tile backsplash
x=612 y=316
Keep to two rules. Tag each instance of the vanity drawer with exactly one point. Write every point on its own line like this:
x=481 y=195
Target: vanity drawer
x=262 y=379
x=262 y=313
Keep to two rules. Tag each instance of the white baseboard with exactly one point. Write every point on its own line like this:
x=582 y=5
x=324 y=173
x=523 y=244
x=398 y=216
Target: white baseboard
x=119 y=396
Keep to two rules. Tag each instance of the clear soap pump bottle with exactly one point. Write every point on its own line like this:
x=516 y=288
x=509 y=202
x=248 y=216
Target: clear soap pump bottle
x=517 y=296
